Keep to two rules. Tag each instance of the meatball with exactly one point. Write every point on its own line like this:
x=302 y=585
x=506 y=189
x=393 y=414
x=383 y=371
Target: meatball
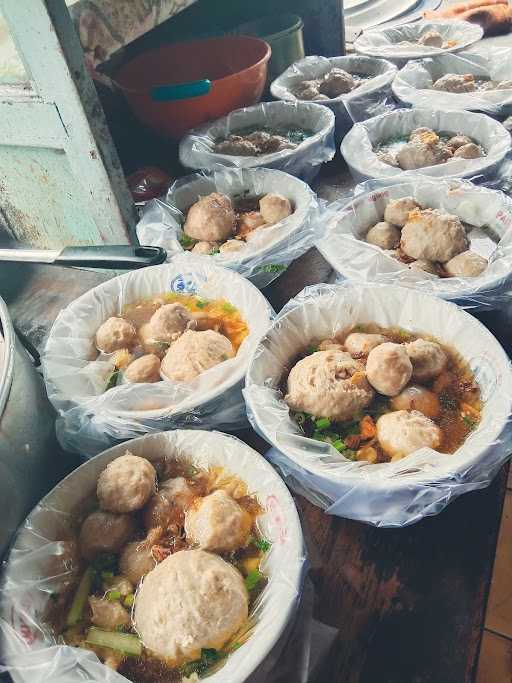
x=231 y=246
x=126 y=484
x=144 y=369
x=194 y=353
x=469 y=151
x=426 y=266
x=428 y=359
x=388 y=158
x=237 y=146
x=328 y=384
x=403 y=432
x=115 y=334
x=275 y=208
x=431 y=39
x=218 y=523
x=330 y=345
x=259 y=138
x=337 y=82
x=136 y=561
x=104 y=532
x=388 y=368
x=276 y=143
x=398 y=210
x=384 y=235
x=456 y=83
x=168 y=322
x=433 y=235
x=419 y=154
x=466 y=264
x=419 y=132
x=168 y=504
x=415 y=397
x=212 y=605
x=361 y=343
x=205 y=248
x=307 y=90
x=211 y=219
x=108 y=614
x=249 y=221
x=458 y=141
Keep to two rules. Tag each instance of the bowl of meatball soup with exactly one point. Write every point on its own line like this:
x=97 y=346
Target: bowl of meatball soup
x=383 y=403
x=175 y=557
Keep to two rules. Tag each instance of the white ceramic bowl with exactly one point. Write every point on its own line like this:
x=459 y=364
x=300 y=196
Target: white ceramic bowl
x=37 y=547
x=92 y=419
x=389 y=494
x=196 y=148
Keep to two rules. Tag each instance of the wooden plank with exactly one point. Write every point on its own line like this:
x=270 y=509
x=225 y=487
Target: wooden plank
x=495 y=664
x=499 y=607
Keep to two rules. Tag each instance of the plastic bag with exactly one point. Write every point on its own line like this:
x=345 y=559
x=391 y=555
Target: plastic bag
x=366 y=98
x=92 y=419
x=271 y=250
x=358 y=146
x=196 y=148
x=414 y=83
x=39 y=564
x=487 y=214
x=401 y=42
x=390 y=494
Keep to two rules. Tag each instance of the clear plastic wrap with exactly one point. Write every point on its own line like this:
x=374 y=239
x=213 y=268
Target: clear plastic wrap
x=357 y=147
x=92 y=419
x=38 y=565
x=400 y=43
x=486 y=213
x=413 y=84
x=196 y=148
x=397 y=493
x=366 y=99
x=270 y=251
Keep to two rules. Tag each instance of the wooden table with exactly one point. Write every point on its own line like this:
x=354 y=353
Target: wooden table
x=409 y=604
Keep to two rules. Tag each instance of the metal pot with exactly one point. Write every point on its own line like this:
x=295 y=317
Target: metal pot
x=30 y=460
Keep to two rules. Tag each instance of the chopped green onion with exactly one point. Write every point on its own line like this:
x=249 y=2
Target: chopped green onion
x=186 y=241
x=127 y=643
x=252 y=579
x=200 y=303
x=234 y=646
x=262 y=544
x=311 y=349
x=107 y=575
x=339 y=445
x=80 y=599
x=129 y=600
x=469 y=422
x=322 y=424
x=209 y=656
x=112 y=380
x=228 y=308
x=214 y=251
x=272 y=268
x=113 y=595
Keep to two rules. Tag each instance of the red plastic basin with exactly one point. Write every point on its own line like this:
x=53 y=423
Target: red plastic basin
x=236 y=66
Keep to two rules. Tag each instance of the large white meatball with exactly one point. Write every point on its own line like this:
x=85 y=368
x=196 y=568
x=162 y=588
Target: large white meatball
x=232 y=246
x=191 y=601
x=167 y=506
x=136 y=561
x=384 y=235
x=328 y=384
x=307 y=90
x=126 y=484
x=398 y=210
x=274 y=208
x=456 y=83
x=421 y=153
x=431 y=38
x=115 y=334
x=426 y=266
x=415 y=397
x=217 y=522
x=402 y=432
x=168 y=322
x=361 y=343
x=211 y=219
x=428 y=359
x=469 y=151
x=388 y=368
x=249 y=221
x=143 y=369
x=466 y=264
x=433 y=235
x=194 y=353
x=337 y=82
x=205 y=248
x=104 y=532
x=458 y=141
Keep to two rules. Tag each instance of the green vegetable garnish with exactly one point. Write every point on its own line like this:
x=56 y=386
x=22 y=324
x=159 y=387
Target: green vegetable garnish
x=403 y=334
x=322 y=423
x=112 y=380
x=200 y=303
x=191 y=471
x=127 y=643
x=107 y=575
x=262 y=544
x=339 y=445
x=186 y=241
x=350 y=454
x=113 y=595
x=80 y=599
x=311 y=349
x=272 y=268
x=129 y=600
x=214 y=251
x=105 y=562
x=228 y=308
x=209 y=656
x=469 y=422
x=252 y=579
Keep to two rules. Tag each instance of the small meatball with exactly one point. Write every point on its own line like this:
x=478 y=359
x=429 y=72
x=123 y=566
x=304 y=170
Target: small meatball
x=361 y=343
x=469 y=151
x=431 y=39
x=108 y=614
x=388 y=368
x=104 y=532
x=275 y=208
x=194 y=353
x=428 y=359
x=191 y=601
x=330 y=345
x=118 y=583
x=205 y=248
x=144 y=369
x=415 y=397
x=211 y=219
x=115 y=334
x=136 y=561
x=419 y=154
x=231 y=246
x=126 y=484
x=320 y=98
x=307 y=90
x=249 y=221
x=455 y=83
x=218 y=523
x=433 y=235
x=419 y=132
x=504 y=85
x=458 y=141
x=402 y=432
x=276 y=143
x=337 y=82
x=167 y=506
x=426 y=266
x=259 y=138
x=398 y=210
x=384 y=235
x=328 y=384
x=466 y=264
x=388 y=158
x=168 y=322
x=236 y=146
